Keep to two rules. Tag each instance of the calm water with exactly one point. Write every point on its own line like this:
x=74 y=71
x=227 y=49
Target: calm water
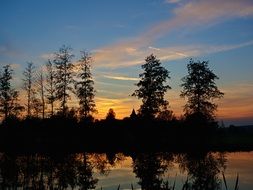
x=143 y=171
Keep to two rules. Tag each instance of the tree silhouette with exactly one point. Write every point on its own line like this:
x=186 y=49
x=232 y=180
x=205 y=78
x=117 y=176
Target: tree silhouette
x=84 y=86
x=165 y=114
x=151 y=87
x=28 y=85
x=64 y=76
x=8 y=96
x=110 y=115
x=200 y=89
x=50 y=86
x=41 y=90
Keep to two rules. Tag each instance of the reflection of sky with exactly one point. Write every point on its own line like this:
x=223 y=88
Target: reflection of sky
x=120 y=34
x=121 y=174
x=239 y=162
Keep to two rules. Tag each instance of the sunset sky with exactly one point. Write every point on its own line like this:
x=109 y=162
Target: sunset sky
x=120 y=34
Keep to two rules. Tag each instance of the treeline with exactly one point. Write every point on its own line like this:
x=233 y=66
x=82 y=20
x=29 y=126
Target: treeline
x=49 y=88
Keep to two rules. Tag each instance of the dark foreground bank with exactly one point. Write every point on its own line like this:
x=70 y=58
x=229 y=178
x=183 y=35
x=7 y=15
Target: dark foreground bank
x=118 y=136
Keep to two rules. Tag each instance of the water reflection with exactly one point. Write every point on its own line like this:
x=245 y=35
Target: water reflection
x=149 y=168
x=76 y=171
x=203 y=169
x=51 y=172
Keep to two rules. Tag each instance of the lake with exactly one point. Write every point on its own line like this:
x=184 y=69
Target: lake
x=202 y=170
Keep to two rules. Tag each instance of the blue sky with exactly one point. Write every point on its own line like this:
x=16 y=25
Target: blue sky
x=120 y=34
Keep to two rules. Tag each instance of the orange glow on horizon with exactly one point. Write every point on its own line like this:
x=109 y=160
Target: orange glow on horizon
x=234 y=105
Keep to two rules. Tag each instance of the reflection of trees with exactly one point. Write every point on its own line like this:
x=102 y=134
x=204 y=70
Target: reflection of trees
x=203 y=169
x=84 y=177
x=8 y=171
x=103 y=162
x=149 y=168
x=76 y=170
x=53 y=172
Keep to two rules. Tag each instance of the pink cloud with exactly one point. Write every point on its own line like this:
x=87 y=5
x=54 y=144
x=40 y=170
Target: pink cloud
x=186 y=14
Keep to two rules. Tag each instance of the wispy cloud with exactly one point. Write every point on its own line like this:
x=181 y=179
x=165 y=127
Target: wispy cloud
x=108 y=84
x=107 y=59
x=172 y=1
x=201 y=12
x=121 y=78
x=154 y=48
x=47 y=56
x=186 y=14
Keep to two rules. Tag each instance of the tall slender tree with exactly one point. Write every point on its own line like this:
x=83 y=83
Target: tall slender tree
x=50 y=86
x=84 y=86
x=41 y=90
x=29 y=79
x=64 y=76
x=152 y=88
x=8 y=96
x=200 y=89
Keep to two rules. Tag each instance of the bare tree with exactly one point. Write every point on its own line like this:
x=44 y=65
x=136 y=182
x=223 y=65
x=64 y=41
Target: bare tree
x=28 y=85
x=41 y=91
x=50 y=86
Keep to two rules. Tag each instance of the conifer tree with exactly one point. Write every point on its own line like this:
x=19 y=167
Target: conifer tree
x=84 y=86
x=152 y=88
x=9 y=105
x=63 y=76
x=200 y=89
